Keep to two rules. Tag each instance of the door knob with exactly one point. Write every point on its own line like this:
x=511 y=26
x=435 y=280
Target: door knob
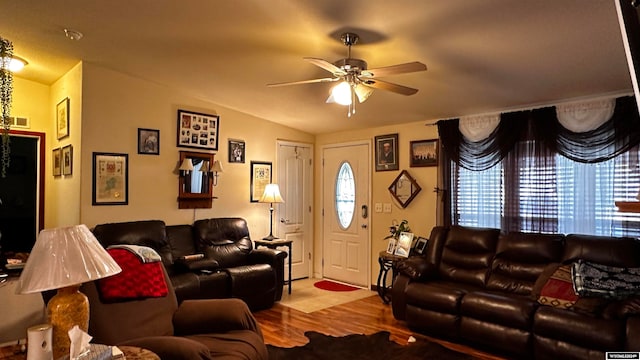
x=364 y=226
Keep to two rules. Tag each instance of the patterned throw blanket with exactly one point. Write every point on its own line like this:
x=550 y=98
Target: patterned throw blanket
x=142 y=275
x=596 y=280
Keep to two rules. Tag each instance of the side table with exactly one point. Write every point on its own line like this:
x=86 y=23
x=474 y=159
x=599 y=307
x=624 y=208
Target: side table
x=387 y=262
x=273 y=244
x=19 y=352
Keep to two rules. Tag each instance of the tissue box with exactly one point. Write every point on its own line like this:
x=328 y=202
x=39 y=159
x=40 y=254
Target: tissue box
x=96 y=352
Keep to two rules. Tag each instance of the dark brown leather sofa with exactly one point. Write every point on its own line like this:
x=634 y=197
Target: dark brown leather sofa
x=230 y=266
x=478 y=286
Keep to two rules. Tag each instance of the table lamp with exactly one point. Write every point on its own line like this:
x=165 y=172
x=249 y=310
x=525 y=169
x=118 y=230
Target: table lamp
x=271 y=195
x=63 y=259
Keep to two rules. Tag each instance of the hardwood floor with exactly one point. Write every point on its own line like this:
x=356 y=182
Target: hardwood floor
x=285 y=327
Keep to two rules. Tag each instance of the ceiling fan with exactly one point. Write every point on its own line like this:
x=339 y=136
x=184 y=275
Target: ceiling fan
x=356 y=81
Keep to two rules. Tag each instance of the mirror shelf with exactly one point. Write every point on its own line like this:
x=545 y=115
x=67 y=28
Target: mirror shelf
x=195 y=185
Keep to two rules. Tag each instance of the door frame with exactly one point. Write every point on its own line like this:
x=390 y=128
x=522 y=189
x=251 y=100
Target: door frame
x=369 y=145
x=310 y=195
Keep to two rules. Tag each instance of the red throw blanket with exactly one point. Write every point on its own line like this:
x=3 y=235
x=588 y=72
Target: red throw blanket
x=138 y=280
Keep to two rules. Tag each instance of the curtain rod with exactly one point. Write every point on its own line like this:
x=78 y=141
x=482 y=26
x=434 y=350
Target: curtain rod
x=542 y=105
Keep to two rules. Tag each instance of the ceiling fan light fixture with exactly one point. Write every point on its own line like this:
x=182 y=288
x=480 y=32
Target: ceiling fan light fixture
x=341 y=94
x=13 y=63
x=362 y=92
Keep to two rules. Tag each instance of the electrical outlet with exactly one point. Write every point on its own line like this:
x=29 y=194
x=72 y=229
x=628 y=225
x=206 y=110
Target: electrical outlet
x=387 y=207
x=378 y=207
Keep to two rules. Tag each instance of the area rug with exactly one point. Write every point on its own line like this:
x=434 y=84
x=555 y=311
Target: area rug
x=333 y=286
x=369 y=347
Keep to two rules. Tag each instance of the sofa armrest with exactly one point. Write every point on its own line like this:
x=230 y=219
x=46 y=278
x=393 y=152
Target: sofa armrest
x=171 y=347
x=416 y=268
x=196 y=265
x=213 y=316
x=276 y=259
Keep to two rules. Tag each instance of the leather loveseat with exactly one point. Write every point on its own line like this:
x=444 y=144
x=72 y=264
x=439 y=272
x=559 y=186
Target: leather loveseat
x=485 y=288
x=210 y=259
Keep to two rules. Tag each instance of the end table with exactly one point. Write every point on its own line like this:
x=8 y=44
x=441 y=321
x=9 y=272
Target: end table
x=387 y=262
x=273 y=244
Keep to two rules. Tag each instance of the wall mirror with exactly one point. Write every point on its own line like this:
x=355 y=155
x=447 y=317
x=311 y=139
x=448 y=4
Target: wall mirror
x=195 y=185
x=404 y=188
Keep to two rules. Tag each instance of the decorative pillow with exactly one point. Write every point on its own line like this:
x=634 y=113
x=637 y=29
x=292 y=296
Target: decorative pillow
x=596 y=280
x=138 y=280
x=557 y=291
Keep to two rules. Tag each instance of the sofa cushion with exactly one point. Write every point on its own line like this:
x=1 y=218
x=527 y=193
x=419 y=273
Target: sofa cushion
x=557 y=290
x=521 y=258
x=467 y=254
x=585 y=331
x=436 y=296
x=611 y=251
x=598 y=280
x=509 y=310
x=149 y=233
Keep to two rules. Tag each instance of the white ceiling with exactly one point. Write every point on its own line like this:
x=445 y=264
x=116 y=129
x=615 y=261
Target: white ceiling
x=482 y=55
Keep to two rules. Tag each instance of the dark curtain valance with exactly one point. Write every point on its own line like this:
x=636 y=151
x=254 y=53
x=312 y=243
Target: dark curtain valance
x=616 y=136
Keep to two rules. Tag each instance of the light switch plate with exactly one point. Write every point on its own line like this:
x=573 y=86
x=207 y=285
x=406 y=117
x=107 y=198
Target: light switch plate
x=378 y=207
x=387 y=207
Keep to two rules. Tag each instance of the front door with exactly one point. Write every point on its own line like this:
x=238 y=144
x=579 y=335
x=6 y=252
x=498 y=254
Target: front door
x=294 y=215
x=346 y=213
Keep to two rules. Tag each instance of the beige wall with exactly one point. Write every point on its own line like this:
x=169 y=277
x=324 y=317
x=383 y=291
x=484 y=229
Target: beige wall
x=421 y=212
x=116 y=105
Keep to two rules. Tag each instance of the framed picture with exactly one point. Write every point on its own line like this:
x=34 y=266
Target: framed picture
x=110 y=179
x=424 y=153
x=391 y=246
x=387 y=152
x=148 y=141
x=57 y=162
x=421 y=245
x=404 y=244
x=197 y=130
x=62 y=118
x=236 y=151
x=260 y=177
x=67 y=160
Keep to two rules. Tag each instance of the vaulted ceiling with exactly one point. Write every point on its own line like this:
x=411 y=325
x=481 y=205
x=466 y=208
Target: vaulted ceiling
x=482 y=55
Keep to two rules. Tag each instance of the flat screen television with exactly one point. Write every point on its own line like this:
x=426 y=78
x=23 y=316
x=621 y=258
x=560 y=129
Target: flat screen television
x=629 y=20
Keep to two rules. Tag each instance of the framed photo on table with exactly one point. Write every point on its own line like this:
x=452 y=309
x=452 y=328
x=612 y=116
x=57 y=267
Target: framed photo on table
x=198 y=130
x=421 y=245
x=386 y=152
x=110 y=179
x=62 y=119
x=403 y=248
x=260 y=178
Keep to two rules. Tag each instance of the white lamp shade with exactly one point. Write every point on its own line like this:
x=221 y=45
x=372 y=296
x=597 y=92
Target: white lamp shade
x=63 y=257
x=341 y=94
x=186 y=165
x=217 y=166
x=205 y=167
x=271 y=194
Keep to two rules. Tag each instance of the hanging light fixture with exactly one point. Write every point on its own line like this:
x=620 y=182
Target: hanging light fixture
x=6 y=93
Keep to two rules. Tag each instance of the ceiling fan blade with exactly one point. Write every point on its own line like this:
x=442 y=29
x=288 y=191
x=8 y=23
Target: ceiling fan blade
x=304 y=82
x=326 y=65
x=384 y=85
x=394 y=69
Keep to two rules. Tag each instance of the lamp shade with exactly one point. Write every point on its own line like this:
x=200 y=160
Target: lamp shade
x=205 y=167
x=63 y=257
x=217 y=166
x=271 y=194
x=341 y=94
x=186 y=165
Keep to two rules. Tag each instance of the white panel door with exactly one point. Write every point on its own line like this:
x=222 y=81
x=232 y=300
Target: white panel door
x=294 y=215
x=345 y=206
